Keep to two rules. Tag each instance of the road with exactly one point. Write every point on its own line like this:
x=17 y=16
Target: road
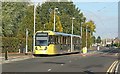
x=100 y=62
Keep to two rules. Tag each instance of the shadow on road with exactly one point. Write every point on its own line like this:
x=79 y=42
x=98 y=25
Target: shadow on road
x=45 y=55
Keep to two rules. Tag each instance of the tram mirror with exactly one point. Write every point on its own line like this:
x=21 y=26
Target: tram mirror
x=48 y=43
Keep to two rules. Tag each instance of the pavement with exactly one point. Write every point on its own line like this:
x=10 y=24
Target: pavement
x=14 y=57
x=21 y=56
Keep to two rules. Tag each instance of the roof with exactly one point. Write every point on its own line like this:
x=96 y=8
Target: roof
x=59 y=33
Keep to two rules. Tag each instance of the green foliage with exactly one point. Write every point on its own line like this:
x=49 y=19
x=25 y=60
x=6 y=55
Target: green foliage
x=93 y=39
x=90 y=29
x=67 y=10
x=27 y=22
x=98 y=39
x=12 y=44
x=12 y=13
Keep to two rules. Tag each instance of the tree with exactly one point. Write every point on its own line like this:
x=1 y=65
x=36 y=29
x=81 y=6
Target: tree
x=12 y=13
x=93 y=39
x=58 y=24
x=27 y=22
x=90 y=30
x=67 y=11
x=98 y=39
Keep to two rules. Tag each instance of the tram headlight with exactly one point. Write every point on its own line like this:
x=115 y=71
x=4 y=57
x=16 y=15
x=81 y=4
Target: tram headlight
x=36 y=48
x=45 y=48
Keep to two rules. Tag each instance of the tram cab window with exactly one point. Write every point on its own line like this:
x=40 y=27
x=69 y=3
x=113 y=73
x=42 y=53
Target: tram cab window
x=41 y=43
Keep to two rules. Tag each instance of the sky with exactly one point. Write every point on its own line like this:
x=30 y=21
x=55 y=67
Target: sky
x=104 y=13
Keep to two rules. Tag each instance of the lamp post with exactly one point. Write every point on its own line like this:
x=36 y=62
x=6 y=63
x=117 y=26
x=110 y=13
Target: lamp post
x=86 y=36
x=54 y=17
x=81 y=33
x=35 y=4
x=71 y=36
x=26 y=51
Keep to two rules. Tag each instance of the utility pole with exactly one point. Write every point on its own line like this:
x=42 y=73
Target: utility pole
x=54 y=18
x=86 y=36
x=34 y=26
x=81 y=33
x=71 y=36
x=26 y=51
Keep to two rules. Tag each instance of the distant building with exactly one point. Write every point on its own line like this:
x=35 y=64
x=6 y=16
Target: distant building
x=116 y=40
x=106 y=42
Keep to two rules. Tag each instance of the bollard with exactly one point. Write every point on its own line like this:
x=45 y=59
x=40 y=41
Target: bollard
x=26 y=53
x=6 y=55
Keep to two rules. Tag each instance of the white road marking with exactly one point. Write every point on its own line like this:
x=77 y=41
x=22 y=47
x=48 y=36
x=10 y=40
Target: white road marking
x=112 y=70
x=49 y=69
x=116 y=70
x=112 y=67
x=116 y=54
x=62 y=64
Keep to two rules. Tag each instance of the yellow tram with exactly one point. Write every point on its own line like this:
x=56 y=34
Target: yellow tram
x=52 y=43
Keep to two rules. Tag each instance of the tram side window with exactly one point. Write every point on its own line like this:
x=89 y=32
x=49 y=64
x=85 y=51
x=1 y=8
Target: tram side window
x=56 y=39
x=51 y=39
x=69 y=40
x=78 y=41
x=61 y=40
x=73 y=40
x=64 y=40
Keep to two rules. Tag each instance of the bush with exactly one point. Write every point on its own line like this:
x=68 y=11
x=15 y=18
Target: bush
x=12 y=44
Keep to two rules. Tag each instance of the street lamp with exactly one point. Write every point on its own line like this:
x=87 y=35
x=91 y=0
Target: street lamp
x=35 y=4
x=81 y=32
x=72 y=24
x=44 y=26
x=26 y=51
x=54 y=16
x=71 y=35
x=86 y=35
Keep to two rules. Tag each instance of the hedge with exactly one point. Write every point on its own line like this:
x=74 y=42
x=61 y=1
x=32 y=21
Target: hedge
x=13 y=44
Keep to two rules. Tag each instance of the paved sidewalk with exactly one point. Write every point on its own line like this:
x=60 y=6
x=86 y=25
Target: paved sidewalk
x=14 y=57
x=90 y=53
x=21 y=56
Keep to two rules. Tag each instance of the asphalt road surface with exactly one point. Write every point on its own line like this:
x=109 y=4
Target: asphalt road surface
x=100 y=62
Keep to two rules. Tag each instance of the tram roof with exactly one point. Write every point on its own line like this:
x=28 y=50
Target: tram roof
x=59 y=33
